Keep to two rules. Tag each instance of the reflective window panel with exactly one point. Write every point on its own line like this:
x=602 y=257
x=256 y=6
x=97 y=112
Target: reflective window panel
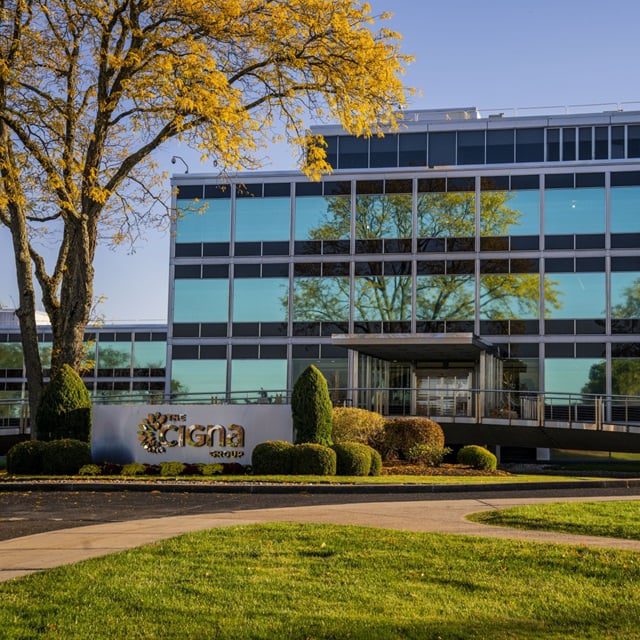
x=574 y=295
x=204 y=220
x=510 y=213
x=510 y=296
x=266 y=377
x=447 y=215
x=201 y=301
x=149 y=355
x=445 y=297
x=574 y=375
x=114 y=355
x=263 y=219
x=323 y=217
x=625 y=376
x=383 y=216
x=382 y=298
x=11 y=355
x=321 y=299
x=625 y=209
x=625 y=294
x=569 y=211
x=260 y=299
x=199 y=376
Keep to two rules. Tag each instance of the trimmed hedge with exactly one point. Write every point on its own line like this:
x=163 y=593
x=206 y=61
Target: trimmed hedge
x=65 y=408
x=272 y=458
x=25 y=458
x=210 y=469
x=90 y=470
x=134 y=469
x=356 y=425
x=313 y=459
x=65 y=457
x=401 y=434
x=169 y=469
x=427 y=454
x=311 y=408
x=376 y=463
x=352 y=459
x=478 y=458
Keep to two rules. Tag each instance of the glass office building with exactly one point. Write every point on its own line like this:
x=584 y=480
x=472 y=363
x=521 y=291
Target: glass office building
x=463 y=252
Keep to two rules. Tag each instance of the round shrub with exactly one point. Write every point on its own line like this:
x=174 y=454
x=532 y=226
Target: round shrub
x=25 y=458
x=212 y=469
x=478 y=458
x=352 y=459
x=169 y=469
x=133 y=469
x=376 y=463
x=272 y=458
x=313 y=459
x=356 y=425
x=427 y=455
x=90 y=470
x=311 y=408
x=65 y=457
x=401 y=434
x=65 y=408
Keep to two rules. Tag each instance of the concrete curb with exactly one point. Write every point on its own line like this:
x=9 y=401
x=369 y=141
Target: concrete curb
x=344 y=489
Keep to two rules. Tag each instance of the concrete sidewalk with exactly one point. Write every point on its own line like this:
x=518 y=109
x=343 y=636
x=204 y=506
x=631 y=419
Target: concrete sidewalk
x=25 y=555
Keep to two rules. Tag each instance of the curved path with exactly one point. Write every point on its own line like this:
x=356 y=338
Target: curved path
x=27 y=554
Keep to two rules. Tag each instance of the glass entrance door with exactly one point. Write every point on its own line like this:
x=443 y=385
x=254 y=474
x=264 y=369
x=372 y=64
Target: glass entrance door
x=444 y=392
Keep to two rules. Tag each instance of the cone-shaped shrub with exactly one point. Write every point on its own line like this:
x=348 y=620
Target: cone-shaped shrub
x=311 y=408
x=65 y=408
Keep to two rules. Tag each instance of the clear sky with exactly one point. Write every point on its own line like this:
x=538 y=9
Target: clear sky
x=501 y=53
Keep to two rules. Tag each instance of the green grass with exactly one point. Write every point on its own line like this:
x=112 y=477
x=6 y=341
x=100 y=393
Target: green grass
x=314 y=581
x=617 y=519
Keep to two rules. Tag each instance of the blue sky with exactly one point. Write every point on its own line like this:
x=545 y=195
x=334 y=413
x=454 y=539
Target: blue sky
x=500 y=53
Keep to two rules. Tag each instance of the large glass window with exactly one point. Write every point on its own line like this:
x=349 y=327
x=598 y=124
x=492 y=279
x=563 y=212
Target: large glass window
x=529 y=145
x=45 y=349
x=383 y=216
x=263 y=219
x=574 y=295
x=199 y=376
x=625 y=294
x=384 y=151
x=510 y=213
x=11 y=355
x=450 y=297
x=114 y=355
x=521 y=374
x=471 y=147
x=500 y=146
x=268 y=377
x=149 y=355
x=625 y=209
x=321 y=299
x=509 y=296
x=12 y=410
x=323 y=217
x=569 y=211
x=625 y=376
x=353 y=153
x=450 y=214
x=335 y=371
x=204 y=220
x=260 y=299
x=574 y=375
x=413 y=149
x=385 y=298
x=201 y=300
x=442 y=148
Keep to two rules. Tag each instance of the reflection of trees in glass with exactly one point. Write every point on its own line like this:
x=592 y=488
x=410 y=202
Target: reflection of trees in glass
x=497 y=217
x=447 y=215
x=514 y=295
x=630 y=307
x=445 y=298
x=335 y=220
x=11 y=356
x=387 y=216
x=112 y=358
x=386 y=298
x=320 y=299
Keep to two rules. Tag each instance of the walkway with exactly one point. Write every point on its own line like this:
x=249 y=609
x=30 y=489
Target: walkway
x=24 y=555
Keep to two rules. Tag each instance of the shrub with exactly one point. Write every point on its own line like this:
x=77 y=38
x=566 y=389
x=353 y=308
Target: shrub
x=111 y=469
x=90 y=470
x=400 y=434
x=65 y=408
x=356 y=425
x=151 y=469
x=133 y=469
x=478 y=458
x=191 y=469
x=376 y=463
x=313 y=459
x=26 y=457
x=65 y=457
x=272 y=458
x=210 y=469
x=311 y=408
x=427 y=454
x=233 y=469
x=352 y=459
x=169 y=469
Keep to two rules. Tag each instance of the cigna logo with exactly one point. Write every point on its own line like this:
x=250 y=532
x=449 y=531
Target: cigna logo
x=159 y=432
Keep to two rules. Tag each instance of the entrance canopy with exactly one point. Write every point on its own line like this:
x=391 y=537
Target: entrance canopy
x=407 y=347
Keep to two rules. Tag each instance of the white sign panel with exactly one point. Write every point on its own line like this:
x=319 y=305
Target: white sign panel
x=186 y=433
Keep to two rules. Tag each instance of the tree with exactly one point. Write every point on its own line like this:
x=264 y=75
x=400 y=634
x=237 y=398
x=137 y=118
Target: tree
x=311 y=408
x=90 y=90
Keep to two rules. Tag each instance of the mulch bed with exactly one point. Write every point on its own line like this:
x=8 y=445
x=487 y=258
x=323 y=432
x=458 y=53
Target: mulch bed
x=398 y=468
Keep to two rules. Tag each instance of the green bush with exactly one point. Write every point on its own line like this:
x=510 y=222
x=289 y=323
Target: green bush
x=133 y=469
x=427 y=454
x=65 y=408
x=356 y=425
x=401 y=434
x=313 y=459
x=170 y=469
x=25 y=458
x=352 y=459
x=272 y=458
x=376 y=463
x=212 y=469
x=65 y=457
x=478 y=458
x=311 y=408
x=90 y=470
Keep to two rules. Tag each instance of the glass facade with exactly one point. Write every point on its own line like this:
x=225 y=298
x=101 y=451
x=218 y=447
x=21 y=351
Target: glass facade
x=201 y=300
x=204 y=220
x=262 y=219
x=575 y=295
x=569 y=210
x=323 y=217
x=260 y=299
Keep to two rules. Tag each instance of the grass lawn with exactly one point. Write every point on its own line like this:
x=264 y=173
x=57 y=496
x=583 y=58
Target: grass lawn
x=616 y=519
x=318 y=581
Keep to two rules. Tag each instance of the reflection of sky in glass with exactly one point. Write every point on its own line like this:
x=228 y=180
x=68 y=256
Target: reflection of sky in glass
x=149 y=354
x=527 y=206
x=201 y=300
x=567 y=375
x=200 y=376
x=262 y=219
x=253 y=375
x=625 y=209
x=260 y=299
x=445 y=298
x=621 y=282
x=315 y=212
x=204 y=220
x=509 y=296
x=321 y=299
x=571 y=211
x=114 y=355
x=381 y=216
x=580 y=295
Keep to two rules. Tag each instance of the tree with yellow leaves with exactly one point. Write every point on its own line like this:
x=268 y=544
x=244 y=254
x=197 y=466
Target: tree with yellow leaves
x=89 y=90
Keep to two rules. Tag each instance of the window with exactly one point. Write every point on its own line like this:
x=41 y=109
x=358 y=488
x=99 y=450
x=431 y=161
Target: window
x=201 y=301
x=574 y=295
x=353 y=153
x=332 y=150
x=11 y=355
x=445 y=297
x=204 y=220
x=617 y=142
x=504 y=213
x=521 y=374
x=584 y=143
x=553 y=145
x=383 y=216
x=336 y=372
x=253 y=378
x=625 y=209
x=320 y=299
x=384 y=151
x=509 y=296
x=451 y=214
x=149 y=355
x=114 y=355
x=568 y=211
x=568 y=144
x=263 y=219
x=442 y=148
x=601 y=148
x=199 y=376
x=323 y=217
x=625 y=376
x=574 y=375
x=382 y=298
x=529 y=145
x=413 y=149
x=633 y=141
x=470 y=147
x=625 y=294
x=500 y=146
x=260 y=299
